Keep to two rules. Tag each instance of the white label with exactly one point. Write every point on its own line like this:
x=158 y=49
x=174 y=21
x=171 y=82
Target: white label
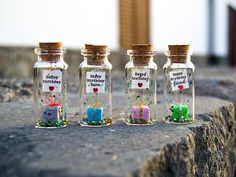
x=52 y=81
x=95 y=82
x=140 y=78
x=179 y=79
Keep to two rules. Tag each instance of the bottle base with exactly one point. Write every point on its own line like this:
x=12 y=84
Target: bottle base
x=48 y=127
x=61 y=124
x=137 y=123
x=169 y=120
x=103 y=123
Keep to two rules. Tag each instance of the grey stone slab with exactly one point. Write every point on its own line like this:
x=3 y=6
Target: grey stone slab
x=199 y=149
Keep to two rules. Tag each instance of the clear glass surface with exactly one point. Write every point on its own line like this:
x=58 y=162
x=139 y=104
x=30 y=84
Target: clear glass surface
x=50 y=106
x=179 y=94
x=140 y=106
x=95 y=106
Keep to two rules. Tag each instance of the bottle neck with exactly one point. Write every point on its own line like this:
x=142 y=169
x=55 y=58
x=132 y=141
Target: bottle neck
x=95 y=57
x=141 y=60
x=141 y=57
x=179 y=58
x=95 y=60
x=50 y=55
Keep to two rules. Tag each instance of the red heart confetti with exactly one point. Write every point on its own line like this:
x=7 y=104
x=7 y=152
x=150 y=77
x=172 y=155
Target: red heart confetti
x=140 y=84
x=51 y=88
x=95 y=90
x=180 y=87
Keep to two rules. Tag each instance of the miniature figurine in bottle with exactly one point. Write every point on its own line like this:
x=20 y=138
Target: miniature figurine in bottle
x=50 y=97
x=95 y=86
x=140 y=73
x=179 y=85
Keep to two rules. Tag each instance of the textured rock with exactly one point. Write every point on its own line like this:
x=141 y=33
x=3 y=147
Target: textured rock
x=209 y=150
x=204 y=148
x=12 y=89
x=6 y=94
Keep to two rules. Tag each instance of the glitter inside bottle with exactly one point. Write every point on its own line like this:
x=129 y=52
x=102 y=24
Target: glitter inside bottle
x=50 y=97
x=179 y=93
x=95 y=87
x=140 y=74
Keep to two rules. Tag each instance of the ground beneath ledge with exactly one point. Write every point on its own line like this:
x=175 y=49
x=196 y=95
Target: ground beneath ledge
x=204 y=148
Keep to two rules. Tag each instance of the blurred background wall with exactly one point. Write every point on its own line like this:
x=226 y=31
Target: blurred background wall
x=206 y=24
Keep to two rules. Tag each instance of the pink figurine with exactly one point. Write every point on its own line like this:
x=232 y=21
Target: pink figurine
x=136 y=113
x=145 y=113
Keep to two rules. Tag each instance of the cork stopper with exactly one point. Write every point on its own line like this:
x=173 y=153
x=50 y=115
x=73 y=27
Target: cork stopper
x=96 y=54
x=142 y=47
x=50 y=51
x=141 y=53
x=50 y=45
x=179 y=53
x=96 y=48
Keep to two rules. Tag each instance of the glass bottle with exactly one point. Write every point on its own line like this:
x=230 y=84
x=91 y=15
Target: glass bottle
x=50 y=96
x=95 y=86
x=140 y=74
x=179 y=96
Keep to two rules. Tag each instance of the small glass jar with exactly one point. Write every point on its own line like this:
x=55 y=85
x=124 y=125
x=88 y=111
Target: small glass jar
x=179 y=96
x=95 y=87
x=141 y=76
x=50 y=96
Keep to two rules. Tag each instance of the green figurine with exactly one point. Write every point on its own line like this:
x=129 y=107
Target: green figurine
x=180 y=113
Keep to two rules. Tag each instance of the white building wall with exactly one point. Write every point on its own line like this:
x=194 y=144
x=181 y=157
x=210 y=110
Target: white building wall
x=75 y=22
x=182 y=21
x=232 y=3
x=221 y=28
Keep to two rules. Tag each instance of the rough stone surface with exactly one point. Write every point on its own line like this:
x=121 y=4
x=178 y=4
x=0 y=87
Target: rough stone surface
x=12 y=89
x=204 y=148
x=6 y=94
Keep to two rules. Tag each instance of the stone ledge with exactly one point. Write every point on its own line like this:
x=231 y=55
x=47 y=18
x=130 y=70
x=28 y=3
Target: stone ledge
x=204 y=148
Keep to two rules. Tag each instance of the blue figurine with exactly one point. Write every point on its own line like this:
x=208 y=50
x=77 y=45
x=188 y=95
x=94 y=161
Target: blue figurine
x=94 y=114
